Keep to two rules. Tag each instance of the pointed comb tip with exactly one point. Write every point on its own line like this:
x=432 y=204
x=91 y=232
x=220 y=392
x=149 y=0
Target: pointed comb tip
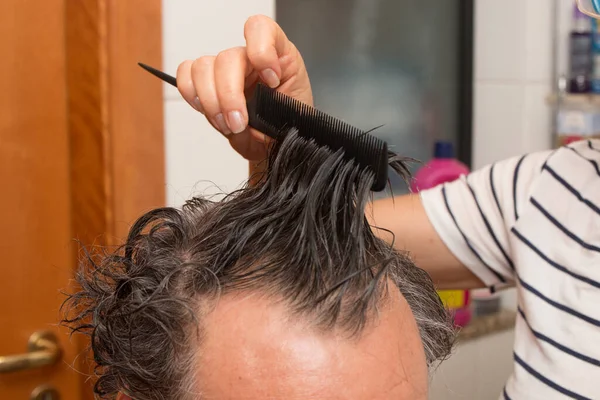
x=159 y=74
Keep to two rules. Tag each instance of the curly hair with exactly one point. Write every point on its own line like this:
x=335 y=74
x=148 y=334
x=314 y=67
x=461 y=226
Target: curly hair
x=300 y=234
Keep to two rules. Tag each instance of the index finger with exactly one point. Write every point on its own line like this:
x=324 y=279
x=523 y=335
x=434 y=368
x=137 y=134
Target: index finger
x=266 y=43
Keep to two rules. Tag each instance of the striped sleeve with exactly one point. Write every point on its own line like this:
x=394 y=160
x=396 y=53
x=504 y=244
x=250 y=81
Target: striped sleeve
x=474 y=214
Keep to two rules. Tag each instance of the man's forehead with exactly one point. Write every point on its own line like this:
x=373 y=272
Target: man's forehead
x=253 y=348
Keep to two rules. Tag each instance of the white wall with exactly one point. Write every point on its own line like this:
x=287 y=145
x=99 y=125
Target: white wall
x=513 y=75
x=194 y=150
x=476 y=371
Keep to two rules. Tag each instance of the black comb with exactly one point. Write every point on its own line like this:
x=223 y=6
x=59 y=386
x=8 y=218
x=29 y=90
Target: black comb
x=274 y=114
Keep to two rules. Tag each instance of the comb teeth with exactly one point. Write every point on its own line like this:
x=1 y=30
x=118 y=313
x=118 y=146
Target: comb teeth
x=274 y=113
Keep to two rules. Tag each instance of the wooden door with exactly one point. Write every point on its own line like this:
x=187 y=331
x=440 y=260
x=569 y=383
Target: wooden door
x=81 y=156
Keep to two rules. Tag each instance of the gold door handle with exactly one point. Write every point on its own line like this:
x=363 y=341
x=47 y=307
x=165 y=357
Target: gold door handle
x=44 y=349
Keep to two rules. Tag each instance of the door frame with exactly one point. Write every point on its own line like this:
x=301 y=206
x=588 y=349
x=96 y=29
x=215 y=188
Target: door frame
x=115 y=122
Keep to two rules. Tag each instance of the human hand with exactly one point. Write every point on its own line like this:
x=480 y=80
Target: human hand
x=217 y=86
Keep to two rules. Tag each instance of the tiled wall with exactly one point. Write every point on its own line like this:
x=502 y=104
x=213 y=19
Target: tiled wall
x=513 y=75
x=196 y=155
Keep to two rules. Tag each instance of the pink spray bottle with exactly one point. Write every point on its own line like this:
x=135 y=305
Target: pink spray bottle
x=444 y=167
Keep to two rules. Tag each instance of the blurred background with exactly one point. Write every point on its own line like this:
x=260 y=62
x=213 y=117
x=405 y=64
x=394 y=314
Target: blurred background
x=88 y=141
x=405 y=65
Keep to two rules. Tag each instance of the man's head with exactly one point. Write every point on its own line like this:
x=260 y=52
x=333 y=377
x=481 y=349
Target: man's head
x=278 y=291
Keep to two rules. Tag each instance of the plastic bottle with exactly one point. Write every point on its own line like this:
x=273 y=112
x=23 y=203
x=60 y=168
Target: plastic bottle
x=444 y=167
x=595 y=80
x=580 y=53
x=485 y=302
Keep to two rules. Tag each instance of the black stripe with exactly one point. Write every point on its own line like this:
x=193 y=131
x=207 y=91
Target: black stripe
x=559 y=346
x=593 y=162
x=500 y=277
x=552 y=262
x=515 y=179
x=567 y=232
x=591 y=146
x=572 y=190
x=489 y=228
x=506 y=397
x=561 y=307
x=547 y=381
x=494 y=190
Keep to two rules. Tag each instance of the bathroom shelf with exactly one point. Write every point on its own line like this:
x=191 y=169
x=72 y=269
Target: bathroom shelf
x=574 y=99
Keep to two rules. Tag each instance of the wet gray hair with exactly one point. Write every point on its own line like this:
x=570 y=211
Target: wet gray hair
x=300 y=234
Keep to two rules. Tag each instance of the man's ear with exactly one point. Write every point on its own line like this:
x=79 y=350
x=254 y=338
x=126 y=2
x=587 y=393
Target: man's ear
x=122 y=396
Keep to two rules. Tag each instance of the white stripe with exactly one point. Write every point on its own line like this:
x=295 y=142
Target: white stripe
x=564 y=328
x=562 y=369
x=521 y=385
x=442 y=221
x=574 y=215
x=563 y=361
x=553 y=283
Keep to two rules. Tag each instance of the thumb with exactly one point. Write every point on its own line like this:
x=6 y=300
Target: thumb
x=266 y=44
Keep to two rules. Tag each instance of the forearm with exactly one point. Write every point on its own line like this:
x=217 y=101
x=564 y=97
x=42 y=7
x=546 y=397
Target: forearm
x=403 y=220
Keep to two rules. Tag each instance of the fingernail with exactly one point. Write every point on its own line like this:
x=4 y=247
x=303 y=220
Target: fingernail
x=197 y=104
x=270 y=77
x=220 y=120
x=235 y=121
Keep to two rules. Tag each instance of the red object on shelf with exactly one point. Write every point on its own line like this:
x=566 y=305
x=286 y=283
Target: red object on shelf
x=571 y=139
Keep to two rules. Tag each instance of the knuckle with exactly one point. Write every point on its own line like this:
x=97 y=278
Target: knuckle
x=259 y=53
x=202 y=64
x=228 y=97
x=209 y=105
x=229 y=55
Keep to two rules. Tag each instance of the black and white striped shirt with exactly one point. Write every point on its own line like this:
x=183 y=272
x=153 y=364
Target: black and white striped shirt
x=534 y=221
